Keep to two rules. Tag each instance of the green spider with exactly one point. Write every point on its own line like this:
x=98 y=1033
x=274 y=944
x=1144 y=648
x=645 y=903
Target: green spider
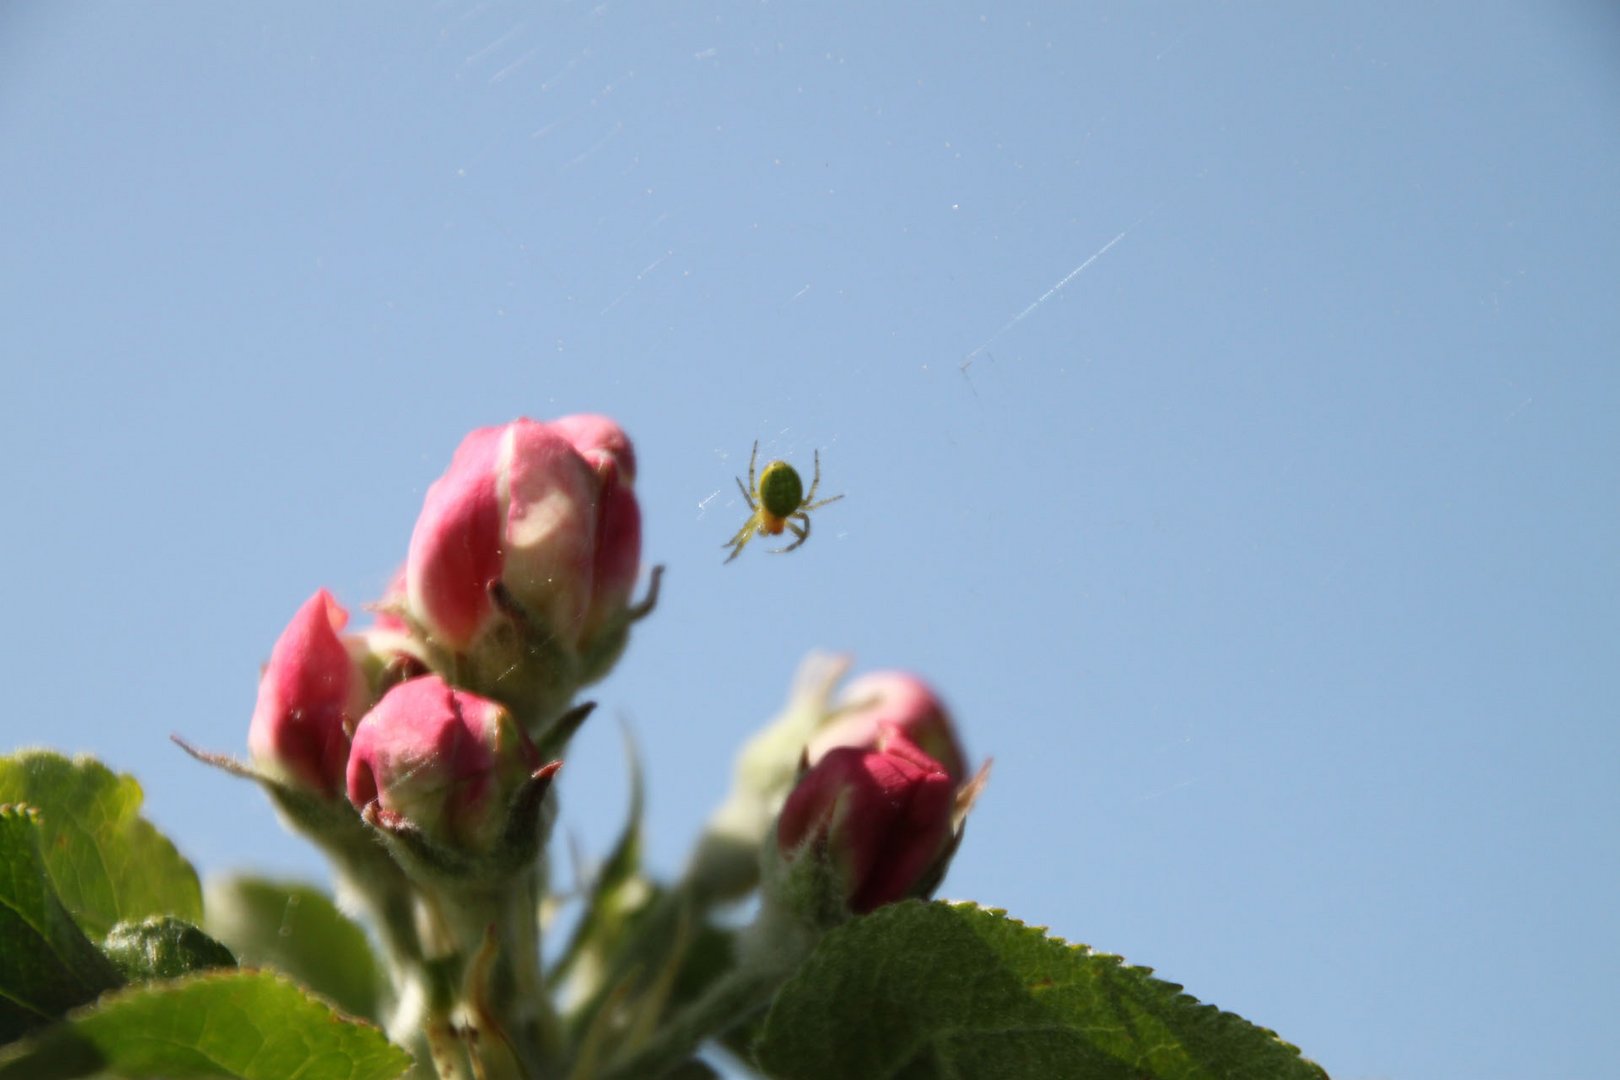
x=778 y=501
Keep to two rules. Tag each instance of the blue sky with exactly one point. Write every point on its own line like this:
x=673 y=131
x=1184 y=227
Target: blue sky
x=1225 y=398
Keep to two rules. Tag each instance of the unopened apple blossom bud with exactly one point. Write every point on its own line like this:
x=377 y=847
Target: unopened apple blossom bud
x=886 y=699
x=524 y=557
x=597 y=437
x=442 y=761
x=606 y=448
x=869 y=826
x=316 y=687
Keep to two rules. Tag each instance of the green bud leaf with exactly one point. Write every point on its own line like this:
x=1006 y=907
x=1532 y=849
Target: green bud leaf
x=163 y=948
x=47 y=965
x=296 y=929
x=923 y=990
x=253 y=1025
x=108 y=863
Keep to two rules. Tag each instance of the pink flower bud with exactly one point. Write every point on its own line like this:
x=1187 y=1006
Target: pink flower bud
x=312 y=692
x=891 y=699
x=596 y=437
x=444 y=760
x=879 y=818
x=546 y=512
x=606 y=448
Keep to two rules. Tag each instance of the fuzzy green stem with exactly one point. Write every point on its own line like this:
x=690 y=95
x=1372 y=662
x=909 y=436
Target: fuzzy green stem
x=495 y=929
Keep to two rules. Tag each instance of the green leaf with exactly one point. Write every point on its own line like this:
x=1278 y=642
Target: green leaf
x=163 y=948
x=47 y=965
x=254 y=1025
x=109 y=864
x=921 y=990
x=296 y=929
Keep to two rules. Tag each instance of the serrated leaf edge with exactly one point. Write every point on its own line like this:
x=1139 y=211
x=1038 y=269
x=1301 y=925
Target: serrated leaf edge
x=1182 y=997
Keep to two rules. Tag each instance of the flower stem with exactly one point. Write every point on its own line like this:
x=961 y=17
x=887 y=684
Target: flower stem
x=770 y=951
x=728 y=1003
x=495 y=929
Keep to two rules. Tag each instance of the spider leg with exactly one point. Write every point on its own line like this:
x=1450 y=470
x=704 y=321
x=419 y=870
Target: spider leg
x=748 y=497
x=802 y=534
x=809 y=502
x=752 y=457
x=744 y=534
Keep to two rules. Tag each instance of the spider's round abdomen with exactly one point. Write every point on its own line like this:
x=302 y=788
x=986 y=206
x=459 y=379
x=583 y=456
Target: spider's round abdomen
x=780 y=492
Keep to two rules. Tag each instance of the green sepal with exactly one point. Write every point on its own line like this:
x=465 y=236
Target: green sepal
x=430 y=862
x=554 y=742
x=602 y=652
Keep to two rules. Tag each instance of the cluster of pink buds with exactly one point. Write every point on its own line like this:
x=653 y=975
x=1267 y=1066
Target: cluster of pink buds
x=415 y=752
x=516 y=592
